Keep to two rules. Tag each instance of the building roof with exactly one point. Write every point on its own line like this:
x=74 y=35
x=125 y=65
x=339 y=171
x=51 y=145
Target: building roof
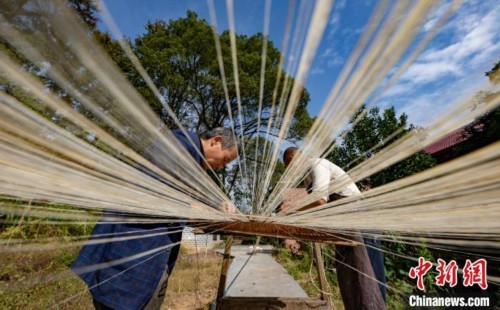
x=447 y=141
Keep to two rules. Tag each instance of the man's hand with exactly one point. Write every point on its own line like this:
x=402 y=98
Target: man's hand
x=283 y=206
x=228 y=207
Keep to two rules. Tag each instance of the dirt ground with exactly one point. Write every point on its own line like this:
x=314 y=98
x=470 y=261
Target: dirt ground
x=194 y=282
x=43 y=280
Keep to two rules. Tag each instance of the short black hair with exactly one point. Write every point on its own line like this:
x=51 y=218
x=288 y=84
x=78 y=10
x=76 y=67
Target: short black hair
x=229 y=139
x=290 y=151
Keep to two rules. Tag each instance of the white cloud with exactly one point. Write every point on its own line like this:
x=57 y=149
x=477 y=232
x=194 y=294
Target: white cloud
x=432 y=20
x=353 y=31
x=452 y=67
x=328 y=52
x=397 y=89
x=335 y=61
x=419 y=110
x=332 y=57
x=334 y=21
x=317 y=71
x=485 y=56
x=475 y=46
x=425 y=106
x=340 y=4
x=481 y=34
x=429 y=72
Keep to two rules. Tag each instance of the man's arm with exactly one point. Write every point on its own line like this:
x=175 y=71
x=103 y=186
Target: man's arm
x=227 y=207
x=314 y=204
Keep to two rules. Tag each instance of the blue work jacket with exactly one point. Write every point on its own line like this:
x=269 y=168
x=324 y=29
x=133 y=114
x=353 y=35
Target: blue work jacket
x=131 y=284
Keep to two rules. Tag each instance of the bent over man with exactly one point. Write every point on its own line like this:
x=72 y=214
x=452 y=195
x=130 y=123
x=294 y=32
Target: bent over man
x=357 y=266
x=133 y=273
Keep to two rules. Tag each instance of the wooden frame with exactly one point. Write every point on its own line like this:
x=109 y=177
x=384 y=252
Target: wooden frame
x=264 y=303
x=274 y=230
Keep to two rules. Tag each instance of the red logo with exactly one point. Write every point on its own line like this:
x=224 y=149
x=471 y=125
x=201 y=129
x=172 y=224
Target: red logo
x=475 y=273
x=447 y=273
x=420 y=271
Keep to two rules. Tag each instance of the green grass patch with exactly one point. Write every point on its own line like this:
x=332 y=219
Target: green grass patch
x=41 y=280
x=302 y=268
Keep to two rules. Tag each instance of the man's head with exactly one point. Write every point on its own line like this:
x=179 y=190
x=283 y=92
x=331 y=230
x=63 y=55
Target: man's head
x=289 y=155
x=219 y=146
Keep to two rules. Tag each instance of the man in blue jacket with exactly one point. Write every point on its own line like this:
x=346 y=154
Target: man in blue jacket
x=133 y=274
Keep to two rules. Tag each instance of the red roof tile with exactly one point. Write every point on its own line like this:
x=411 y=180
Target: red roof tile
x=447 y=141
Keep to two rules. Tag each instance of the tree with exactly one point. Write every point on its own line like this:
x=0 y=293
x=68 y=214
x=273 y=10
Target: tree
x=181 y=58
x=256 y=169
x=494 y=74
x=368 y=136
x=30 y=18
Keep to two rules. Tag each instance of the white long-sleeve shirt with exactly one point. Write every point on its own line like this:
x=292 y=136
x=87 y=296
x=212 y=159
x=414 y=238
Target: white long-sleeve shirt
x=324 y=173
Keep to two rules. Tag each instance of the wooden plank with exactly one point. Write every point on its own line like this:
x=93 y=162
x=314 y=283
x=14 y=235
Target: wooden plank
x=259 y=275
x=257 y=227
x=265 y=303
x=321 y=274
x=226 y=261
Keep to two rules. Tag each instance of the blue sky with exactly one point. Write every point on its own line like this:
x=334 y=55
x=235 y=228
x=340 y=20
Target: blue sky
x=451 y=66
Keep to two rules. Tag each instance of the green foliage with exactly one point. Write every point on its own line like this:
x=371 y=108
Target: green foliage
x=484 y=131
x=181 y=58
x=24 y=281
x=372 y=131
x=494 y=74
x=369 y=132
x=32 y=20
x=301 y=263
x=303 y=269
x=398 y=265
x=300 y=268
x=35 y=229
x=67 y=256
x=258 y=156
x=86 y=10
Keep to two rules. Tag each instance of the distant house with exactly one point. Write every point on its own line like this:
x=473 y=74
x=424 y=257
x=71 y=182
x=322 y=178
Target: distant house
x=441 y=150
x=200 y=241
x=445 y=148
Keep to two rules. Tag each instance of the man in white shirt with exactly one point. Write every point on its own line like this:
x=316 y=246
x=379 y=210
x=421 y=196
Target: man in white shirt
x=359 y=266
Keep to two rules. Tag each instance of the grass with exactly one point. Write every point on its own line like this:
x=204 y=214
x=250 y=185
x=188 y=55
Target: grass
x=194 y=281
x=25 y=281
x=43 y=280
x=301 y=268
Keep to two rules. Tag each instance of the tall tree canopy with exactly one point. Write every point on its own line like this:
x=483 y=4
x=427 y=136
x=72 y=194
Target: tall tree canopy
x=181 y=58
x=367 y=136
x=30 y=19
